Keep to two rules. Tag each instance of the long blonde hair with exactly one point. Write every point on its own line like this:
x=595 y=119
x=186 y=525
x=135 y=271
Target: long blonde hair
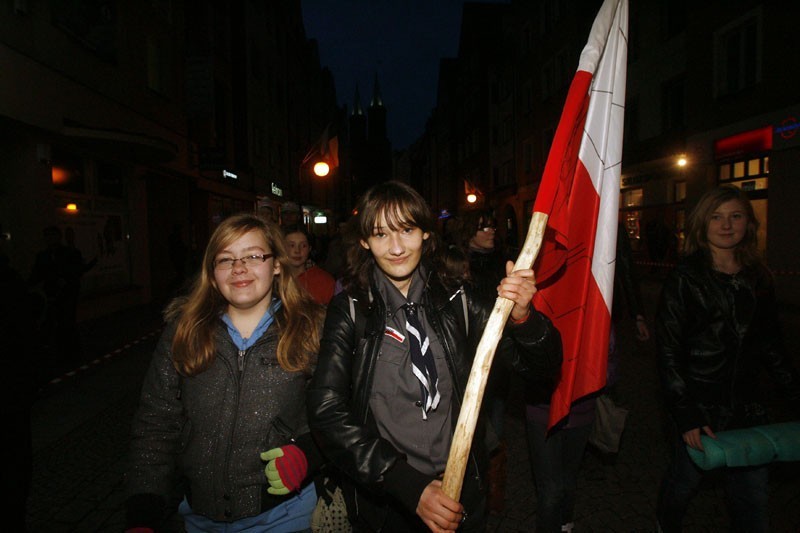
x=193 y=348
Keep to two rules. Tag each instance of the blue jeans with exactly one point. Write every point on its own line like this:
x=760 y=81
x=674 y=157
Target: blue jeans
x=555 y=462
x=745 y=494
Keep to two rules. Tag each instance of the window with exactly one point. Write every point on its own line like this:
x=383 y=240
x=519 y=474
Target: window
x=750 y=173
x=680 y=191
x=632 y=197
x=737 y=55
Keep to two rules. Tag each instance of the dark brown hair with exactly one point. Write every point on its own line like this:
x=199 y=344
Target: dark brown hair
x=402 y=207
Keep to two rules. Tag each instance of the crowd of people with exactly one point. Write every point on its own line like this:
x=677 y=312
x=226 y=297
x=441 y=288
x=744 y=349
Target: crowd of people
x=276 y=384
x=274 y=379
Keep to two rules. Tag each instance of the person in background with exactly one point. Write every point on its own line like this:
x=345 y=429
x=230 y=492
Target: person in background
x=20 y=360
x=716 y=327
x=316 y=281
x=627 y=292
x=556 y=456
x=57 y=273
x=476 y=233
x=334 y=258
x=223 y=403
x=394 y=359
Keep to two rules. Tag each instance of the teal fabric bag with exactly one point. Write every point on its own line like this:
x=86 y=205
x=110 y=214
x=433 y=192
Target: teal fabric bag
x=753 y=446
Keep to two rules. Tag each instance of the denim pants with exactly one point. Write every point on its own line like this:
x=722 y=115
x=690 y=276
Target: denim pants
x=745 y=494
x=555 y=461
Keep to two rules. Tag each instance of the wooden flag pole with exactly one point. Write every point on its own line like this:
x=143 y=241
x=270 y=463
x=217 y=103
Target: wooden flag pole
x=484 y=354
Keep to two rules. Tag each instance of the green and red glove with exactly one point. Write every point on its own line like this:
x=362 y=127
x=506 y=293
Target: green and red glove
x=286 y=469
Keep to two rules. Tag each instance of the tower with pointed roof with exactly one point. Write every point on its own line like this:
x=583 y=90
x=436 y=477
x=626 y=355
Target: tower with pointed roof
x=380 y=149
x=370 y=152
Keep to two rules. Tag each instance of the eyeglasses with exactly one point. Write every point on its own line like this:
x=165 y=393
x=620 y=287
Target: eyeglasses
x=226 y=263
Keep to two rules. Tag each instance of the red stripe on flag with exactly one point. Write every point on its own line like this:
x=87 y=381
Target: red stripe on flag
x=556 y=185
x=574 y=303
x=579 y=193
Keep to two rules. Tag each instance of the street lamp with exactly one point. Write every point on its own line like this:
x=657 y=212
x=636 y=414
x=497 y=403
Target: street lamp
x=321 y=169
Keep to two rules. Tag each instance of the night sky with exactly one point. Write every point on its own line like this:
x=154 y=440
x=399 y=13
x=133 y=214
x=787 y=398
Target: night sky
x=400 y=40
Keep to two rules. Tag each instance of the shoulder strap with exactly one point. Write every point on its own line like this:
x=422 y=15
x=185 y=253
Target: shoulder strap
x=462 y=293
x=359 y=324
x=466 y=311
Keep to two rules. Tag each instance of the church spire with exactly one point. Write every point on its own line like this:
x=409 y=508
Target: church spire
x=377 y=100
x=357 y=110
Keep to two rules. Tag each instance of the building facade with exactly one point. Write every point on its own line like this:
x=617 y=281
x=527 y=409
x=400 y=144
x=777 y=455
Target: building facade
x=710 y=100
x=136 y=127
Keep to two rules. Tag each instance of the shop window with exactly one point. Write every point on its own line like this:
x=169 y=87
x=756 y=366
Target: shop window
x=754 y=167
x=680 y=191
x=632 y=197
x=738 y=170
x=749 y=174
x=632 y=225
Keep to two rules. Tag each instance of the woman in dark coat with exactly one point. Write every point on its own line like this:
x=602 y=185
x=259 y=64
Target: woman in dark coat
x=716 y=326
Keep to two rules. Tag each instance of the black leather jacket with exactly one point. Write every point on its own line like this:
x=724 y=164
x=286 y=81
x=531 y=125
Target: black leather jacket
x=338 y=398
x=714 y=331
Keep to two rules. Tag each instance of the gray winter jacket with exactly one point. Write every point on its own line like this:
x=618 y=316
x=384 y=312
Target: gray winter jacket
x=208 y=430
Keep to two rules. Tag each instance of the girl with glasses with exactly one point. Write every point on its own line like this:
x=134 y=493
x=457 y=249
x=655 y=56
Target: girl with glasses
x=223 y=404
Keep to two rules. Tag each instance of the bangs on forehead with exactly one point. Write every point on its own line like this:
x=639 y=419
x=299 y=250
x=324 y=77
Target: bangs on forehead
x=236 y=233
x=395 y=218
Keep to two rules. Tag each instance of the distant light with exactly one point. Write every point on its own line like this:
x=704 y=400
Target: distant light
x=320 y=219
x=321 y=169
x=682 y=161
x=472 y=198
x=277 y=191
x=60 y=175
x=229 y=174
x=72 y=207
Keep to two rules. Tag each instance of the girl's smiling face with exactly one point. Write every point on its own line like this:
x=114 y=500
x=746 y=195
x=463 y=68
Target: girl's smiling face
x=247 y=285
x=727 y=226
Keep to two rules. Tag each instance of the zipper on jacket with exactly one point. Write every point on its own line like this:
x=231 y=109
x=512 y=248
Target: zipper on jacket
x=240 y=360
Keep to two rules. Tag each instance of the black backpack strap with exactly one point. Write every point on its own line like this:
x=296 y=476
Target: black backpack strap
x=359 y=322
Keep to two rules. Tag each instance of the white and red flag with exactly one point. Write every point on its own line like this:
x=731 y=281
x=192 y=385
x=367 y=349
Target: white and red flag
x=579 y=192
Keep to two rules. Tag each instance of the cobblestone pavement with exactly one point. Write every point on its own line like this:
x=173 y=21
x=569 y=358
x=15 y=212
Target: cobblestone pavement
x=81 y=425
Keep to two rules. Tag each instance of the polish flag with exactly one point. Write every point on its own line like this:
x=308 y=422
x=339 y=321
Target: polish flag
x=579 y=192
